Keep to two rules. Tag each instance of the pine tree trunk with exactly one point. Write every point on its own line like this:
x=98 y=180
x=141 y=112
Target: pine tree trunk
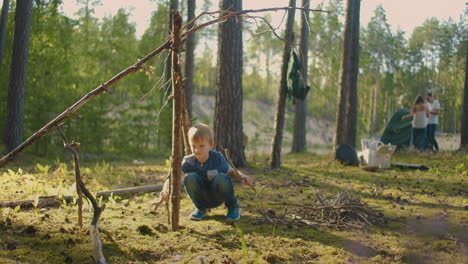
x=3 y=24
x=275 y=161
x=15 y=106
x=228 y=106
x=189 y=59
x=375 y=117
x=300 y=118
x=464 y=119
x=346 y=114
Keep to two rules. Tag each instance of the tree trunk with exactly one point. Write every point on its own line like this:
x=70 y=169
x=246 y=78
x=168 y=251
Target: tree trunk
x=346 y=114
x=300 y=118
x=15 y=106
x=275 y=161
x=3 y=24
x=176 y=169
x=464 y=119
x=189 y=59
x=228 y=108
x=375 y=117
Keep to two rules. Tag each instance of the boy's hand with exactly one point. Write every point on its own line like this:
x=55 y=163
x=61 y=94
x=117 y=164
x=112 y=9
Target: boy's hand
x=247 y=180
x=164 y=195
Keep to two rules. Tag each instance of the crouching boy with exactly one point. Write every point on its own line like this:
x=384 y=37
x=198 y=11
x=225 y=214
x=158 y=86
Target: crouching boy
x=208 y=176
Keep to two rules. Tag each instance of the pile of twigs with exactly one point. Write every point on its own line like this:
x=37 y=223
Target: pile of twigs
x=339 y=211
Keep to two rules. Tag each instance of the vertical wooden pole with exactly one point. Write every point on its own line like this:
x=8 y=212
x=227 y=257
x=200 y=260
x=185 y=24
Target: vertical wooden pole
x=176 y=122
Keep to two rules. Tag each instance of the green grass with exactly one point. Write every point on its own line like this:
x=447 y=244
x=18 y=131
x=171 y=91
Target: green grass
x=430 y=206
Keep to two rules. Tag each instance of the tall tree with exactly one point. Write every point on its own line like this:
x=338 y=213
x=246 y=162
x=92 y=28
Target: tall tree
x=346 y=115
x=15 y=106
x=228 y=103
x=189 y=58
x=3 y=24
x=300 y=116
x=378 y=39
x=275 y=158
x=464 y=119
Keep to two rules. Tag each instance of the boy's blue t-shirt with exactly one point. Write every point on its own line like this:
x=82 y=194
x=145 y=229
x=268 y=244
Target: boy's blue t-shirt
x=216 y=163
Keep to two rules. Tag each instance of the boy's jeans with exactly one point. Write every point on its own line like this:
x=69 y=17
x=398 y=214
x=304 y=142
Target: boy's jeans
x=207 y=194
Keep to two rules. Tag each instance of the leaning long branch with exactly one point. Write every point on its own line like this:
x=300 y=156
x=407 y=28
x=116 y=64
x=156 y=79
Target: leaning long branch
x=85 y=99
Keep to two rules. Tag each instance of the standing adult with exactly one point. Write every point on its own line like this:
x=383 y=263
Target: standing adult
x=420 y=114
x=434 y=110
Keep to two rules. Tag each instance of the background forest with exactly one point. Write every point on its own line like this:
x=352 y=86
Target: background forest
x=69 y=57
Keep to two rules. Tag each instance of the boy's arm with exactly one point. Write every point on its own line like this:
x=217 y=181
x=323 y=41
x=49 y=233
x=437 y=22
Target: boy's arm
x=240 y=177
x=164 y=195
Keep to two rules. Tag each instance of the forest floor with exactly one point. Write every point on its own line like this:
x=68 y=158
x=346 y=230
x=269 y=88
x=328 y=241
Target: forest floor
x=426 y=215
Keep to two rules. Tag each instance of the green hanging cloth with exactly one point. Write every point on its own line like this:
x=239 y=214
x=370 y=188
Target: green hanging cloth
x=296 y=87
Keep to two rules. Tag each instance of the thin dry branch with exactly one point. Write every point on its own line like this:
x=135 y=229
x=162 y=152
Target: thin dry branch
x=230 y=14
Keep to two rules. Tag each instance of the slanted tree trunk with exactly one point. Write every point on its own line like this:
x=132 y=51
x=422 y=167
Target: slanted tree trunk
x=228 y=107
x=300 y=118
x=15 y=106
x=189 y=59
x=275 y=158
x=464 y=119
x=3 y=24
x=346 y=115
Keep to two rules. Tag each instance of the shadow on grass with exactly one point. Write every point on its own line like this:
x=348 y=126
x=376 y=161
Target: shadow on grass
x=29 y=243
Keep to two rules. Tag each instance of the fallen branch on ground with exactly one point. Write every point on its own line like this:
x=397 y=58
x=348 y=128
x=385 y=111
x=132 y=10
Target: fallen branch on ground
x=56 y=201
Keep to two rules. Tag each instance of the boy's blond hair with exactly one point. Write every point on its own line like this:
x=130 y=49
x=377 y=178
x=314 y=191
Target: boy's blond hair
x=199 y=132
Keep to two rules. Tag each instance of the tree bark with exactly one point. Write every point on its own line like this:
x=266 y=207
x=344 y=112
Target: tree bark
x=189 y=58
x=464 y=119
x=176 y=122
x=346 y=114
x=15 y=106
x=228 y=105
x=3 y=24
x=300 y=118
x=275 y=157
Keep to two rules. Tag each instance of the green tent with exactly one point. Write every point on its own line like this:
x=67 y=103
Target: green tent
x=398 y=132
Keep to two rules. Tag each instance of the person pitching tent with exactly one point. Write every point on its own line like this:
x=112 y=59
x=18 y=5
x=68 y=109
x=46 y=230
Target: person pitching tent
x=208 y=176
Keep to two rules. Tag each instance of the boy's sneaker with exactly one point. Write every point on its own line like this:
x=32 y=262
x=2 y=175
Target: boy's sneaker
x=198 y=214
x=233 y=213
